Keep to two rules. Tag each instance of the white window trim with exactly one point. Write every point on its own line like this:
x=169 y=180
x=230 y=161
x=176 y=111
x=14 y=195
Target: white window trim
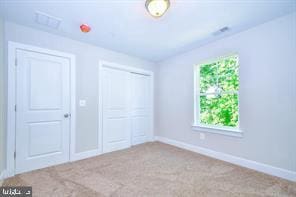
x=197 y=126
x=229 y=131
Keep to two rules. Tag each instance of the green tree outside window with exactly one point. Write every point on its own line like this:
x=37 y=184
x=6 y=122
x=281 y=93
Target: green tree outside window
x=218 y=92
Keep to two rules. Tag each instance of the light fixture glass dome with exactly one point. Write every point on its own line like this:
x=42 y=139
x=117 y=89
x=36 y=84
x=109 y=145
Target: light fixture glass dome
x=157 y=7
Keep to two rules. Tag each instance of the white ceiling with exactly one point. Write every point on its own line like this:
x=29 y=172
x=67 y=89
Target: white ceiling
x=125 y=25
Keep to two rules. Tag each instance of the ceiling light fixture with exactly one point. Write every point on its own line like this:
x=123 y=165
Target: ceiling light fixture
x=157 y=7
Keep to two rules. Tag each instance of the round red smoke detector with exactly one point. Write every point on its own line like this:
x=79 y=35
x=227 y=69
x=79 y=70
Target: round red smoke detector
x=85 y=28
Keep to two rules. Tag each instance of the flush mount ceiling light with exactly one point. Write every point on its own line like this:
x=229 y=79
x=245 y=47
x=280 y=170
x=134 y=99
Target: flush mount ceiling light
x=157 y=7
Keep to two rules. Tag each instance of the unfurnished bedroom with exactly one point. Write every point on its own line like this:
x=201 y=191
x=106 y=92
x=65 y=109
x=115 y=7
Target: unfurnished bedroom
x=138 y=98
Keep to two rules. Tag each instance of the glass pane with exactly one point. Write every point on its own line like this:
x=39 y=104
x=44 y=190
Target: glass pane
x=208 y=77
x=228 y=74
x=220 y=110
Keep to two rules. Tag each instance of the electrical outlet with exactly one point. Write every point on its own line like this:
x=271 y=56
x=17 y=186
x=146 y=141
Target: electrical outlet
x=82 y=103
x=202 y=136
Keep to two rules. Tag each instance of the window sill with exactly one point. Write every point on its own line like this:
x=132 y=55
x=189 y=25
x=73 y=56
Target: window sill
x=234 y=132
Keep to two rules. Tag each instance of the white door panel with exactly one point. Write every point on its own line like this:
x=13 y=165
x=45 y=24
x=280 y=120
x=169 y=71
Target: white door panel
x=39 y=85
x=43 y=97
x=45 y=138
x=140 y=108
x=116 y=122
x=140 y=126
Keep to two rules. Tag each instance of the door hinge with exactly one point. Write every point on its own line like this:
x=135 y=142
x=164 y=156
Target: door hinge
x=14 y=154
x=15 y=63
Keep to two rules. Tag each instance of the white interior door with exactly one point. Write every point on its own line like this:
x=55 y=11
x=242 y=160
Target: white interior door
x=140 y=107
x=43 y=105
x=115 y=100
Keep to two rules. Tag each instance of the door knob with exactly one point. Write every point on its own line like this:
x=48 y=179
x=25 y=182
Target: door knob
x=66 y=115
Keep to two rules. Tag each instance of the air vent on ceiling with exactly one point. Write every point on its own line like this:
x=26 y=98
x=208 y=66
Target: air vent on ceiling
x=47 y=20
x=221 y=31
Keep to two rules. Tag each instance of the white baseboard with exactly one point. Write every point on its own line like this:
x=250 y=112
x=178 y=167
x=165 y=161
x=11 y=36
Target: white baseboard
x=271 y=170
x=75 y=157
x=84 y=155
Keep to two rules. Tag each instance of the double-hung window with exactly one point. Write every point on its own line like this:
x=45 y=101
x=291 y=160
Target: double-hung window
x=217 y=95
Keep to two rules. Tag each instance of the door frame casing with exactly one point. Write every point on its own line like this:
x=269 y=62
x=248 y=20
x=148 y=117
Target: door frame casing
x=11 y=100
x=108 y=64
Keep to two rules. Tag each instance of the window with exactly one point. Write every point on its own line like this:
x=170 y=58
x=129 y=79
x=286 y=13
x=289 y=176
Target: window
x=217 y=86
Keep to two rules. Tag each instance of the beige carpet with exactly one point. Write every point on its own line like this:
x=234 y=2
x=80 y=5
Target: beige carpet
x=152 y=169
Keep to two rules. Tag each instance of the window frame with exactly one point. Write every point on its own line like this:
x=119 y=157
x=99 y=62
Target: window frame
x=197 y=125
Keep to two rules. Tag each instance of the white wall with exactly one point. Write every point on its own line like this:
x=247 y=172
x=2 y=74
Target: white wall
x=267 y=94
x=87 y=59
x=2 y=106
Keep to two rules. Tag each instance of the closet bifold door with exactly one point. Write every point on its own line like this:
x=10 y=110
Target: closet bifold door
x=115 y=100
x=126 y=106
x=140 y=107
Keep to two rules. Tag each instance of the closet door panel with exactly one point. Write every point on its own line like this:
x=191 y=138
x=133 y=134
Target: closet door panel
x=116 y=120
x=140 y=108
